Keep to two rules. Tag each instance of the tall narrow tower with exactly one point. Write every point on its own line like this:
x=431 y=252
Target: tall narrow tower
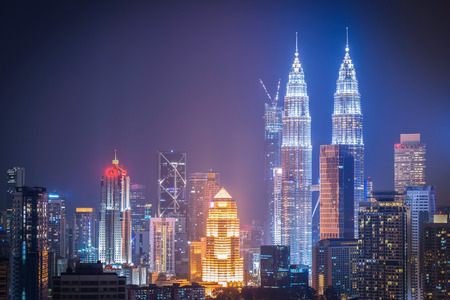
x=115 y=216
x=347 y=124
x=273 y=121
x=296 y=153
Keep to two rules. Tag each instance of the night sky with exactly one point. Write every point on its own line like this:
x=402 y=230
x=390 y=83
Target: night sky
x=79 y=79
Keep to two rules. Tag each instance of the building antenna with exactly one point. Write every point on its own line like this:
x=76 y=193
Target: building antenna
x=346 y=47
x=296 y=42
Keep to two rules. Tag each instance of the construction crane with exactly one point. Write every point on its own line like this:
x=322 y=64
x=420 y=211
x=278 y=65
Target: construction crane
x=272 y=100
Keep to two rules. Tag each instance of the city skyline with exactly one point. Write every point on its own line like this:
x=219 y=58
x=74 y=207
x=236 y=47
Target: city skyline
x=55 y=167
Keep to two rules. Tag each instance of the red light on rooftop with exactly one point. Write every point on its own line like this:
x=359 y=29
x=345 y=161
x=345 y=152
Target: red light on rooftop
x=111 y=172
x=398 y=145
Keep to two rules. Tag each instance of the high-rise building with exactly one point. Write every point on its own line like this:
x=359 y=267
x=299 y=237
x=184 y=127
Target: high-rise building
x=56 y=212
x=115 y=216
x=197 y=253
x=348 y=127
x=336 y=192
x=29 y=250
x=202 y=189
x=296 y=156
x=275 y=266
x=172 y=203
x=139 y=218
x=436 y=258
x=275 y=206
x=5 y=274
x=421 y=202
x=162 y=241
x=409 y=162
x=335 y=268
x=222 y=263
x=84 y=232
x=383 y=247
x=15 y=177
x=273 y=134
x=368 y=188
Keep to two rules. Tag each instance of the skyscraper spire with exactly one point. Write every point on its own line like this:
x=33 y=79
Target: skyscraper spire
x=115 y=160
x=296 y=44
x=346 y=45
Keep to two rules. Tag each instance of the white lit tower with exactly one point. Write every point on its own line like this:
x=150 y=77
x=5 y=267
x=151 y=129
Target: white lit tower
x=273 y=121
x=347 y=125
x=296 y=153
x=115 y=216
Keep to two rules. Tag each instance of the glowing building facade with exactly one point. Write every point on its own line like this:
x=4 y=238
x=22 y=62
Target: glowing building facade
x=409 y=162
x=273 y=118
x=296 y=153
x=115 y=216
x=348 y=127
x=222 y=263
x=162 y=241
x=84 y=233
x=56 y=211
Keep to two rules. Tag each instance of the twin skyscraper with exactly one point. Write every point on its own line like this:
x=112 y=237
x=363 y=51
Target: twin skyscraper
x=288 y=164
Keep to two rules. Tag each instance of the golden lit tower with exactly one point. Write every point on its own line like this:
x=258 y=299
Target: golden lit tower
x=222 y=263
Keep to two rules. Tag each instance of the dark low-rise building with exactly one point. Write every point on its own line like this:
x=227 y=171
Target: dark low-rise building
x=89 y=281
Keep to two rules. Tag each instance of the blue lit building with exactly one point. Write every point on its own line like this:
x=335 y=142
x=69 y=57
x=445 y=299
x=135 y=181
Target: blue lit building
x=296 y=157
x=347 y=125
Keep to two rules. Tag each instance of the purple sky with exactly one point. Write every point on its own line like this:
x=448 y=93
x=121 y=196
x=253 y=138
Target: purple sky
x=79 y=79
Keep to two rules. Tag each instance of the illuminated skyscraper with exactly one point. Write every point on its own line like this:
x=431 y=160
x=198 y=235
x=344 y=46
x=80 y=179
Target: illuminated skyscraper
x=139 y=218
x=382 y=247
x=347 y=125
x=409 y=162
x=56 y=211
x=336 y=192
x=273 y=134
x=172 y=203
x=29 y=250
x=162 y=241
x=296 y=153
x=422 y=206
x=84 y=233
x=115 y=217
x=222 y=263
x=202 y=189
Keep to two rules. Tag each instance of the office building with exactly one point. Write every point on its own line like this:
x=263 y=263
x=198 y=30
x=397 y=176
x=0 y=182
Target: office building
x=140 y=214
x=84 y=232
x=421 y=202
x=172 y=203
x=56 y=212
x=296 y=157
x=315 y=195
x=368 y=188
x=115 y=216
x=162 y=242
x=409 y=162
x=273 y=134
x=167 y=292
x=336 y=192
x=202 y=189
x=223 y=263
x=335 y=268
x=89 y=281
x=275 y=266
x=436 y=258
x=197 y=253
x=5 y=274
x=383 y=247
x=29 y=244
x=15 y=177
x=348 y=127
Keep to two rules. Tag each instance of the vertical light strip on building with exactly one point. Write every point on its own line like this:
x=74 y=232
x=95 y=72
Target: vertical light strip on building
x=296 y=152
